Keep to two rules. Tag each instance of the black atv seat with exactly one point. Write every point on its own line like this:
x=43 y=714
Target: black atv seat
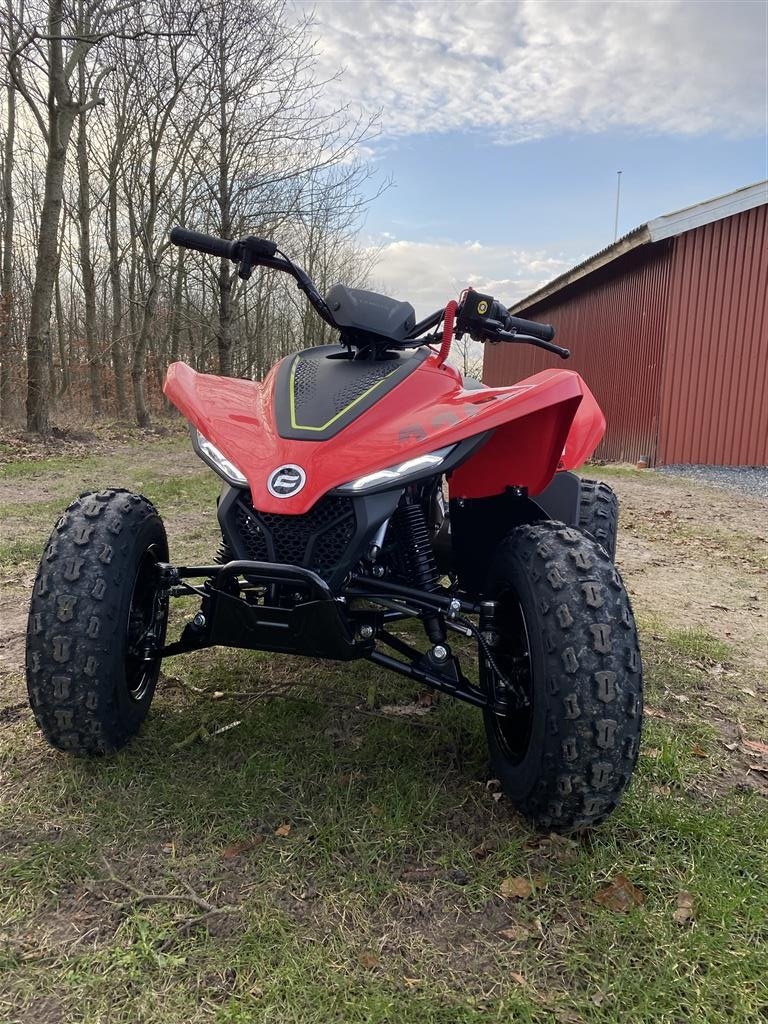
x=359 y=310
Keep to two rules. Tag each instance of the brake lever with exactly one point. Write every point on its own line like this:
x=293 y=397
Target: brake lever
x=528 y=339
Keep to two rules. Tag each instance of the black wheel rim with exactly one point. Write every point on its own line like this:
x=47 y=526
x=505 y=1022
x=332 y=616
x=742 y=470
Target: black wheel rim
x=146 y=627
x=513 y=657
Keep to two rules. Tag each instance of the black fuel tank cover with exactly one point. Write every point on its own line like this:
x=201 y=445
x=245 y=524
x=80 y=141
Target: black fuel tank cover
x=368 y=311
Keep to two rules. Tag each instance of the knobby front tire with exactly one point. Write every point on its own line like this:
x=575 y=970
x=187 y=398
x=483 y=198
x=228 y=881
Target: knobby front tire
x=566 y=633
x=94 y=604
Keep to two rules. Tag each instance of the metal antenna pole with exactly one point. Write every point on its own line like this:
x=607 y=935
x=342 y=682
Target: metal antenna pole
x=618 y=195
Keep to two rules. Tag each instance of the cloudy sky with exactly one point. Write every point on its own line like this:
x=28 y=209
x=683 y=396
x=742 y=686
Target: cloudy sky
x=504 y=123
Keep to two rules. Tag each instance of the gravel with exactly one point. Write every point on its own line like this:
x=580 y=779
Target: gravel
x=749 y=480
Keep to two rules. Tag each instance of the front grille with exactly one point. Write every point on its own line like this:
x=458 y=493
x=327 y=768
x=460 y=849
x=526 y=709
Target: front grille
x=251 y=534
x=316 y=540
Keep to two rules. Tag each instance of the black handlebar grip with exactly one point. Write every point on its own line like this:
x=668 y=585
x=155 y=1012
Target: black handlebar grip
x=209 y=244
x=545 y=332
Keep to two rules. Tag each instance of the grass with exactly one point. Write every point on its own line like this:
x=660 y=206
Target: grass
x=361 y=857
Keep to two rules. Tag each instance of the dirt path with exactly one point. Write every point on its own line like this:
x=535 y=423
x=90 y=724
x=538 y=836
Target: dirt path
x=697 y=557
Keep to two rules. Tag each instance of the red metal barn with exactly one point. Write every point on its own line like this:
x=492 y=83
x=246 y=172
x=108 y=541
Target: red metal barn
x=669 y=327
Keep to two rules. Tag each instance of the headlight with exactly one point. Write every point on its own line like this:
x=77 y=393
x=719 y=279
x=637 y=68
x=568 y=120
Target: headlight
x=209 y=453
x=400 y=473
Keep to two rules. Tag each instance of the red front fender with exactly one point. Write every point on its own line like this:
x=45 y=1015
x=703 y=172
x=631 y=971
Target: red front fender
x=528 y=451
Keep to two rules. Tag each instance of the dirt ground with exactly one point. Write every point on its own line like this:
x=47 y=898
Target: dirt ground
x=697 y=557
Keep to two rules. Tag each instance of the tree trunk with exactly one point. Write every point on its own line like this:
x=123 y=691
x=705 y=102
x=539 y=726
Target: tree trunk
x=38 y=337
x=86 y=262
x=61 y=338
x=139 y=362
x=61 y=118
x=224 y=337
x=225 y=219
x=116 y=342
x=6 y=272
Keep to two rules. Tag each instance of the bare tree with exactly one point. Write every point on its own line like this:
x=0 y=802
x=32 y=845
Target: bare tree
x=8 y=215
x=60 y=55
x=141 y=116
x=169 y=101
x=86 y=259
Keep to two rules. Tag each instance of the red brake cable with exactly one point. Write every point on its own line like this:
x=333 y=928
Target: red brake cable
x=449 y=318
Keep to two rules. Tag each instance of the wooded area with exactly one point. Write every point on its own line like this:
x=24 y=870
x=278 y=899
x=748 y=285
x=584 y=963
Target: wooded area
x=119 y=120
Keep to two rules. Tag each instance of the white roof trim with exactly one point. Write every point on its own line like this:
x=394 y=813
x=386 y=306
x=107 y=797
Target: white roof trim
x=666 y=226
x=712 y=210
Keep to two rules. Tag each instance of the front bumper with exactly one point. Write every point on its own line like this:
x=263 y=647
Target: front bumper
x=319 y=626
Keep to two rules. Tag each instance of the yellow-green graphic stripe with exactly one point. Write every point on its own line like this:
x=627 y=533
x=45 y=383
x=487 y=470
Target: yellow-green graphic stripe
x=344 y=411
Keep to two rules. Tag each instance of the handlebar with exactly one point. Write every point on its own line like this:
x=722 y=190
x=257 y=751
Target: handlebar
x=544 y=332
x=208 y=244
x=252 y=252
x=488 y=320
x=252 y=249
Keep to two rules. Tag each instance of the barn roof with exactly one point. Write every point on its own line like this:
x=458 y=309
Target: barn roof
x=666 y=226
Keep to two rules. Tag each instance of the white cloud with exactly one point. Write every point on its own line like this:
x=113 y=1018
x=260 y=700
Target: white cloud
x=523 y=70
x=428 y=274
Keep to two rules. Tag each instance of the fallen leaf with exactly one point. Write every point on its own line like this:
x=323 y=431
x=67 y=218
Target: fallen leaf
x=662 y=790
x=653 y=712
x=698 y=751
x=620 y=895
x=283 y=830
x=557 y=840
x=516 y=887
x=516 y=933
x=758 y=768
x=419 y=874
x=481 y=852
x=405 y=710
x=731 y=746
x=517 y=978
x=759 y=748
x=653 y=752
x=411 y=982
x=684 y=912
x=241 y=847
x=368 y=961
x=568 y=1017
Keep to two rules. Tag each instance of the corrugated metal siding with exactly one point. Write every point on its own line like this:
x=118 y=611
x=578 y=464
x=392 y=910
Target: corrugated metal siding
x=614 y=323
x=714 y=391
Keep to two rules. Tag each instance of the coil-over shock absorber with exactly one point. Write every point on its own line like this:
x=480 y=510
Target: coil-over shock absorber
x=415 y=550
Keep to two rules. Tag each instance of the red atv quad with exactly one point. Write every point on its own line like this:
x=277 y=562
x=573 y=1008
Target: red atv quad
x=336 y=526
